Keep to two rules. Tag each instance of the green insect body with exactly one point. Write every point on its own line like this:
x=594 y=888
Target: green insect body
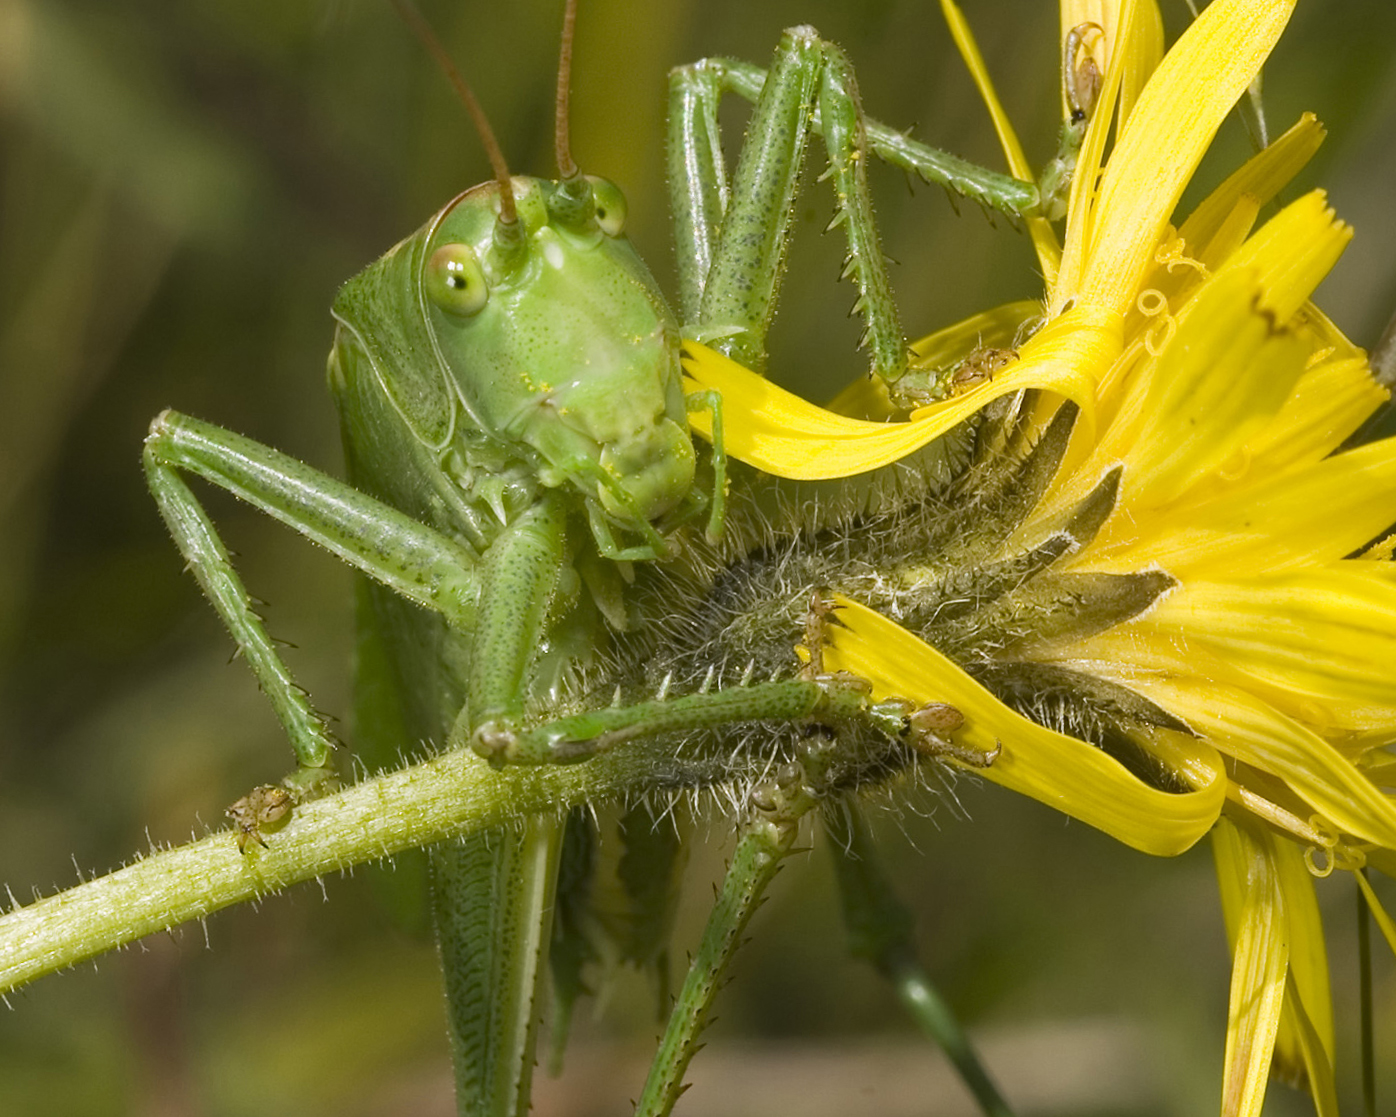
x=523 y=503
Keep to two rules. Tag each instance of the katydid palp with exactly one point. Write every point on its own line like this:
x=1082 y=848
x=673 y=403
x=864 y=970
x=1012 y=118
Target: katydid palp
x=515 y=433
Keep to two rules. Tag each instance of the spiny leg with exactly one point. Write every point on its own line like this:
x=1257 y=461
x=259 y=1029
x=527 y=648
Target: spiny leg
x=388 y=546
x=1010 y=196
x=732 y=253
x=764 y=840
x=701 y=199
x=582 y=736
x=814 y=696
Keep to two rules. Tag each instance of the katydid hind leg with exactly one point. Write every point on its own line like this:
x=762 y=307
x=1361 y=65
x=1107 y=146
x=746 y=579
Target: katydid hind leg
x=748 y=253
x=994 y=190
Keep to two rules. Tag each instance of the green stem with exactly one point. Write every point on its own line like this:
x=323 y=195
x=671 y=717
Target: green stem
x=453 y=794
x=881 y=930
x=935 y=1018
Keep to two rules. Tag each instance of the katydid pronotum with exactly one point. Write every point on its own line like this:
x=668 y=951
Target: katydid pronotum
x=520 y=468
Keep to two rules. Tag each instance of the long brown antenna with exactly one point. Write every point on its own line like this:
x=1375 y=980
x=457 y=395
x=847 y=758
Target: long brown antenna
x=563 y=144
x=508 y=213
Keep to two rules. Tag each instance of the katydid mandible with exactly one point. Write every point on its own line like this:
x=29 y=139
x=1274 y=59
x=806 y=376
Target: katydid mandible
x=515 y=430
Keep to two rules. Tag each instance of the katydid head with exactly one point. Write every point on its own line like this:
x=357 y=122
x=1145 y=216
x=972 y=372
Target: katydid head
x=539 y=346
x=559 y=341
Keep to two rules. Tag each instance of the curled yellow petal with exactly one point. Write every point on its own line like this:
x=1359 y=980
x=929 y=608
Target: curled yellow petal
x=782 y=434
x=1055 y=769
x=1248 y=728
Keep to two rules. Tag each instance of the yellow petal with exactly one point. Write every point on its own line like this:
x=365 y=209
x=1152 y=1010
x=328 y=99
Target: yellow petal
x=1259 y=179
x=1177 y=115
x=1332 y=399
x=1223 y=376
x=1328 y=632
x=1055 y=769
x=1316 y=513
x=1311 y=1063
x=1292 y=252
x=1081 y=209
x=782 y=434
x=1305 y=1044
x=1246 y=863
x=1246 y=727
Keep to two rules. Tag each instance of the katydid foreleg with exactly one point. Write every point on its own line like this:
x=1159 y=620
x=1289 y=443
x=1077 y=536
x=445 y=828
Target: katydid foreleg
x=408 y=557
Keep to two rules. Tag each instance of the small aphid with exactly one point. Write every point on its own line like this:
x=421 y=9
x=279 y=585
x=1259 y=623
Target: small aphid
x=263 y=808
x=930 y=727
x=979 y=366
x=937 y=717
x=1080 y=73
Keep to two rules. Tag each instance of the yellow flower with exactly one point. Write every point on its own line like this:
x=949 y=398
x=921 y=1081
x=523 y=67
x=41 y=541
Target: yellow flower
x=1215 y=401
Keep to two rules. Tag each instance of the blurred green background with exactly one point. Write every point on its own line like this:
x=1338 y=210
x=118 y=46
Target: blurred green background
x=182 y=189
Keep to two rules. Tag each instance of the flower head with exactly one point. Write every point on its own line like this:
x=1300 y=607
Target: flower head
x=1200 y=635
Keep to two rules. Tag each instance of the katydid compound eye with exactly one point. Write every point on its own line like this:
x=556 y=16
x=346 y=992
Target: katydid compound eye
x=455 y=280
x=610 y=205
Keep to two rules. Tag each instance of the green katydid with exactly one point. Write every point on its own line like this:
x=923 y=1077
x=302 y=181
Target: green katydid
x=515 y=430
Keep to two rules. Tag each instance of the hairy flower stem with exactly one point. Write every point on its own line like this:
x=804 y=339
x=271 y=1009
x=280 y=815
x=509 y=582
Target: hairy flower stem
x=446 y=797
x=881 y=930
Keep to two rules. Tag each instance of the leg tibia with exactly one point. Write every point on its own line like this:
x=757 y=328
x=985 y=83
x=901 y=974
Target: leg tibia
x=825 y=700
x=846 y=141
x=203 y=550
